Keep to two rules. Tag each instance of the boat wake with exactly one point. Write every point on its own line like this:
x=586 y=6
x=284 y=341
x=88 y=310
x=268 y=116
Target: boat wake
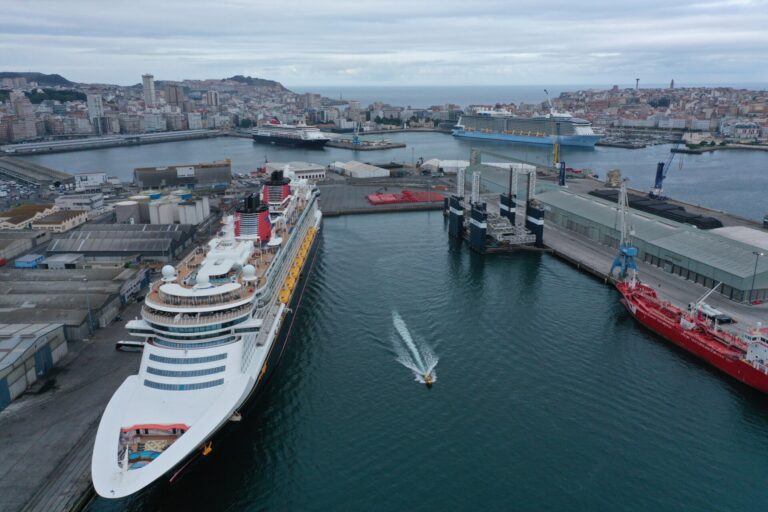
x=419 y=358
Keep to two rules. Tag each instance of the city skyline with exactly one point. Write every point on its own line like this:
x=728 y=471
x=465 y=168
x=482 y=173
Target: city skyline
x=366 y=43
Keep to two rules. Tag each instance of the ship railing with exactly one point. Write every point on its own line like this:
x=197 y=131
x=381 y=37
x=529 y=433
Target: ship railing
x=193 y=319
x=269 y=311
x=279 y=268
x=211 y=300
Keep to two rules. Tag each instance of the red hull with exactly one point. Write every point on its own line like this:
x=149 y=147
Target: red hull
x=721 y=350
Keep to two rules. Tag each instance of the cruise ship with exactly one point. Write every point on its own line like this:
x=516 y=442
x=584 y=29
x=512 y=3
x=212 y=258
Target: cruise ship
x=215 y=326
x=290 y=135
x=499 y=125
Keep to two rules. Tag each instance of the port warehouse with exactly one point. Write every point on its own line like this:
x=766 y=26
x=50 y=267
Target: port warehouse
x=80 y=299
x=28 y=172
x=27 y=352
x=16 y=242
x=211 y=175
x=119 y=243
x=704 y=257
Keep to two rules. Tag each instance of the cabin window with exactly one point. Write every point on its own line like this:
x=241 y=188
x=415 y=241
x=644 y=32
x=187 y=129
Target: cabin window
x=188 y=360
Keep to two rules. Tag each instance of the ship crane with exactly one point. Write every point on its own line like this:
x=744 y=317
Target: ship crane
x=625 y=259
x=662 y=168
x=356 y=136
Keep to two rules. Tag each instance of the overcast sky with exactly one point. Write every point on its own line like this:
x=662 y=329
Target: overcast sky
x=391 y=42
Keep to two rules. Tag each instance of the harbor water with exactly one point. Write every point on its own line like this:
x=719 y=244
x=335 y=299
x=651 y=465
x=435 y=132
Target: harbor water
x=732 y=180
x=549 y=397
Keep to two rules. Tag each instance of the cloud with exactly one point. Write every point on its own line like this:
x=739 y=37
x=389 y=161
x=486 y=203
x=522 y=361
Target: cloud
x=302 y=42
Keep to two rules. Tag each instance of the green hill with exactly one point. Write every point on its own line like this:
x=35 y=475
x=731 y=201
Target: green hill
x=41 y=78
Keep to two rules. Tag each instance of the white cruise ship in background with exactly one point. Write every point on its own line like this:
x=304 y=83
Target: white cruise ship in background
x=215 y=326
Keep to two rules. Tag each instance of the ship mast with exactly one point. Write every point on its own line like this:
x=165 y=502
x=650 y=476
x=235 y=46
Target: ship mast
x=625 y=259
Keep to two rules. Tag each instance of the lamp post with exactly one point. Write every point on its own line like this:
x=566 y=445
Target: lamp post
x=754 y=274
x=88 y=304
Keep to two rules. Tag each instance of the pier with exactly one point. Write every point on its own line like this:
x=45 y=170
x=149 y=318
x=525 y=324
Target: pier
x=363 y=145
x=60 y=146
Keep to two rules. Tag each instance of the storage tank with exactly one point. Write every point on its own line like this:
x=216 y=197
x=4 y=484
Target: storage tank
x=143 y=201
x=127 y=212
x=207 y=208
x=167 y=213
x=199 y=210
x=154 y=212
x=188 y=214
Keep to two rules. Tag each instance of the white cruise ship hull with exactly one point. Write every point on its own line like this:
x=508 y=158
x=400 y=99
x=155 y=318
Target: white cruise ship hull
x=110 y=480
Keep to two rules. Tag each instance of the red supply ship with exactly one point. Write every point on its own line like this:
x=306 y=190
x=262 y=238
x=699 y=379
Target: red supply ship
x=744 y=357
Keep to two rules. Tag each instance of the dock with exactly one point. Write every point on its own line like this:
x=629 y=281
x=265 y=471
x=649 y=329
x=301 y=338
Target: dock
x=595 y=259
x=60 y=146
x=350 y=197
x=28 y=172
x=47 y=436
x=363 y=145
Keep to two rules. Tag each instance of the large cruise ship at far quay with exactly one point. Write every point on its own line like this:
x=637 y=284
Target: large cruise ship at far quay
x=299 y=135
x=502 y=125
x=215 y=326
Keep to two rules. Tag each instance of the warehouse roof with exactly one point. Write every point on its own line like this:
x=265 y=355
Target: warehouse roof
x=17 y=339
x=707 y=247
x=60 y=216
x=123 y=245
x=744 y=234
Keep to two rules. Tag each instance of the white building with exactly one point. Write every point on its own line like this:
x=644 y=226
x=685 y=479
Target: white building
x=194 y=121
x=90 y=181
x=355 y=169
x=80 y=202
x=148 y=81
x=302 y=170
x=95 y=106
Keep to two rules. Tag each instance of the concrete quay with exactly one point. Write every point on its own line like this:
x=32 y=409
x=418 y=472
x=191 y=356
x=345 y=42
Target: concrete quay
x=46 y=437
x=596 y=259
x=344 y=198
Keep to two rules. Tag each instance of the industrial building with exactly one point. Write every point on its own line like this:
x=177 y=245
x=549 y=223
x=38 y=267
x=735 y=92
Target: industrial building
x=212 y=175
x=15 y=242
x=86 y=202
x=28 y=172
x=301 y=170
x=355 y=169
x=116 y=244
x=28 y=261
x=732 y=257
x=177 y=207
x=81 y=299
x=61 y=221
x=63 y=262
x=23 y=216
x=27 y=353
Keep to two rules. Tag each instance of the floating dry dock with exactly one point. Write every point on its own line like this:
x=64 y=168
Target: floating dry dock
x=363 y=145
x=517 y=224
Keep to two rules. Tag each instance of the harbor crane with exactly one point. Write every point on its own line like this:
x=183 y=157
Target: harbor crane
x=625 y=259
x=662 y=168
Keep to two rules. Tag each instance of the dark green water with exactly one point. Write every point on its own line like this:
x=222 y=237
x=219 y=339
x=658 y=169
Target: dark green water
x=549 y=397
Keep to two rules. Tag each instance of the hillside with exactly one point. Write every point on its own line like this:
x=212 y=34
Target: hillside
x=260 y=82
x=41 y=78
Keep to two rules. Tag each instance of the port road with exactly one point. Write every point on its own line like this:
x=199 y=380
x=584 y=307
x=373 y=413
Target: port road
x=46 y=435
